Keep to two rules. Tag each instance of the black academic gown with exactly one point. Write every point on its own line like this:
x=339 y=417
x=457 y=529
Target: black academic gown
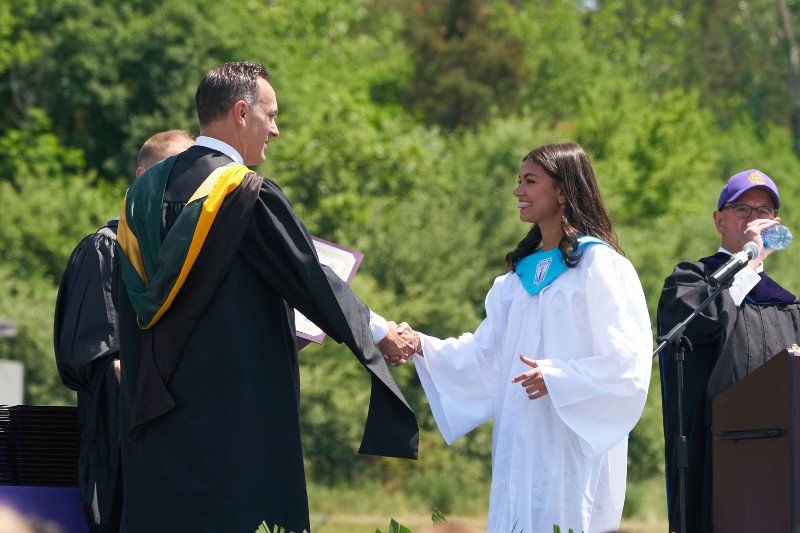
x=228 y=455
x=85 y=334
x=728 y=343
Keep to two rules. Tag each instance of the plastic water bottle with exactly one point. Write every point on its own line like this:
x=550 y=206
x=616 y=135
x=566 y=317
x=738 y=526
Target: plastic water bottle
x=777 y=237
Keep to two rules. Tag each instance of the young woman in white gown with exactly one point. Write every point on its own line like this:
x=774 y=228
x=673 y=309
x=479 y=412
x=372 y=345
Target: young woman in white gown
x=561 y=362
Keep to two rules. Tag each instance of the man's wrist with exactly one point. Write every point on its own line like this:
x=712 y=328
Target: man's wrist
x=378 y=326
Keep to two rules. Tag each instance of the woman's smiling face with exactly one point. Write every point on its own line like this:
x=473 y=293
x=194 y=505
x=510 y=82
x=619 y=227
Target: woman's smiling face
x=540 y=197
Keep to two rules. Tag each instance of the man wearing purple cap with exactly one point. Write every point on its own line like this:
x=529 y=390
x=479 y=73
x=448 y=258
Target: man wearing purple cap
x=747 y=323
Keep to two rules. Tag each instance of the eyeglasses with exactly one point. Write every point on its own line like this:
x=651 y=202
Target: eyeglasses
x=744 y=210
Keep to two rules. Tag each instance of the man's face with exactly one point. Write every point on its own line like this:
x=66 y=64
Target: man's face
x=731 y=227
x=260 y=125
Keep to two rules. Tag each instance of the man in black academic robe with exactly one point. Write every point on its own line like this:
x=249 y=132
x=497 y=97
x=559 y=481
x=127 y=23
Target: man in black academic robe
x=87 y=353
x=741 y=329
x=210 y=389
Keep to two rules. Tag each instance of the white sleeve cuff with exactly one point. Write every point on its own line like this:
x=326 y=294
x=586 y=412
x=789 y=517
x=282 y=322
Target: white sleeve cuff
x=743 y=282
x=378 y=326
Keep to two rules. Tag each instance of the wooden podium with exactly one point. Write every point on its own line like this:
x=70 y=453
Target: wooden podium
x=756 y=454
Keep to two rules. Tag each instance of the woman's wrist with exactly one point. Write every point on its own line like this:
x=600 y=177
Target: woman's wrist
x=417 y=344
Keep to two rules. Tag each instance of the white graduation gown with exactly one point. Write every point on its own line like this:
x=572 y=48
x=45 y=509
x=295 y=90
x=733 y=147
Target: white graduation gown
x=561 y=459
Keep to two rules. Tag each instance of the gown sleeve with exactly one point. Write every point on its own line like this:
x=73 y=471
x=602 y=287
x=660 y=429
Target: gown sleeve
x=683 y=292
x=460 y=376
x=85 y=325
x=281 y=251
x=601 y=396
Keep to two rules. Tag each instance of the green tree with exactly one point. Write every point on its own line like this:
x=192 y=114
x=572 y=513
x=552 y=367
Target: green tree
x=49 y=204
x=110 y=75
x=466 y=67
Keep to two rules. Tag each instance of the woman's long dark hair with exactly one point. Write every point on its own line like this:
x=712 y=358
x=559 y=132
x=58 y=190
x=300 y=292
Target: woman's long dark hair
x=584 y=211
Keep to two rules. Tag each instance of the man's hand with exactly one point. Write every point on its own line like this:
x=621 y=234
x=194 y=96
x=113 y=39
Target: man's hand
x=400 y=343
x=753 y=233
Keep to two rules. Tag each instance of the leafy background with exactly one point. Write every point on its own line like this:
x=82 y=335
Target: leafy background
x=403 y=126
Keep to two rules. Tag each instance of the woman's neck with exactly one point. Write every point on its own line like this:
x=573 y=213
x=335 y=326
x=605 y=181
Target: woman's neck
x=551 y=237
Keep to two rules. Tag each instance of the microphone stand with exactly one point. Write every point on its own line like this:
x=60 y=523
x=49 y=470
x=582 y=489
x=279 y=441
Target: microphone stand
x=678 y=340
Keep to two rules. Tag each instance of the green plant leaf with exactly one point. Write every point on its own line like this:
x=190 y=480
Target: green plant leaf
x=438 y=517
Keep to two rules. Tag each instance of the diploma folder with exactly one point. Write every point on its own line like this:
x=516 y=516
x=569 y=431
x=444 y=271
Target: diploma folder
x=344 y=262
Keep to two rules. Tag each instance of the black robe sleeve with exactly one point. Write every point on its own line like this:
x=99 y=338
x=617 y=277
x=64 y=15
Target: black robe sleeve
x=683 y=292
x=85 y=325
x=280 y=249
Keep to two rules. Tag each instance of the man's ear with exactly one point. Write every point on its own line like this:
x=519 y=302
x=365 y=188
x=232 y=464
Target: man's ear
x=718 y=221
x=240 y=109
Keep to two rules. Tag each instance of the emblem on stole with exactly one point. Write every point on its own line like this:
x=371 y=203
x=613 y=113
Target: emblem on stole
x=541 y=270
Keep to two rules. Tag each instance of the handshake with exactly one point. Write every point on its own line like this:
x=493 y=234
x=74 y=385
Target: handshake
x=399 y=344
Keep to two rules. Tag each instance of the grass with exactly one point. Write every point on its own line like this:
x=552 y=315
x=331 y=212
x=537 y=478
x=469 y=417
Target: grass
x=367 y=508
x=346 y=523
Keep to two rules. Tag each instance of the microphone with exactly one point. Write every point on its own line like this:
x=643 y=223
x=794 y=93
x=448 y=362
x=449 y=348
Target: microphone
x=737 y=262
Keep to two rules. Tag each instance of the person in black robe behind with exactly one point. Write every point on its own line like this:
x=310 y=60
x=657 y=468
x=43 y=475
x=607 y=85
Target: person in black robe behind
x=210 y=388
x=741 y=329
x=87 y=352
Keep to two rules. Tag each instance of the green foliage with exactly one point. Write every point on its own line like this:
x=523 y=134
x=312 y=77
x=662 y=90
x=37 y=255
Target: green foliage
x=113 y=74
x=47 y=208
x=463 y=62
x=646 y=441
x=29 y=303
x=264 y=528
x=395 y=527
x=16 y=41
x=46 y=199
x=335 y=391
x=557 y=529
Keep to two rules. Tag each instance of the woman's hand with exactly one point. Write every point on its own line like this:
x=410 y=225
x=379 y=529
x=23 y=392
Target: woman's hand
x=532 y=380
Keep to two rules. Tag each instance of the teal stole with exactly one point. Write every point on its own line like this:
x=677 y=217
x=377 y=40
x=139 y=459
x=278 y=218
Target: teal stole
x=537 y=270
